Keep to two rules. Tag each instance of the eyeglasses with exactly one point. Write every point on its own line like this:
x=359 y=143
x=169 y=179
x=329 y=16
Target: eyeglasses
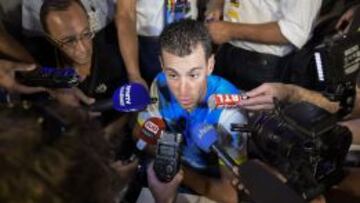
x=71 y=41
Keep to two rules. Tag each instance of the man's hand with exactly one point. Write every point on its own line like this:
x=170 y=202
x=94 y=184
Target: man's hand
x=125 y=171
x=220 y=31
x=163 y=192
x=71 y=96
x=138 y=79
x=214 y=10
x=262 y=97
x=7 y=77
x=346 y=18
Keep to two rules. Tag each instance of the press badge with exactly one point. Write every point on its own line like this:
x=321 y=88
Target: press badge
x=176 y=10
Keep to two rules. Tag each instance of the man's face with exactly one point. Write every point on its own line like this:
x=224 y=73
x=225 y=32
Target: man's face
x=187 y=76
x=71 y=32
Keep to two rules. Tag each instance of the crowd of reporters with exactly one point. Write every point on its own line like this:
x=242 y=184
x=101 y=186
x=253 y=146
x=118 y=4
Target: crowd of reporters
x=82 y=161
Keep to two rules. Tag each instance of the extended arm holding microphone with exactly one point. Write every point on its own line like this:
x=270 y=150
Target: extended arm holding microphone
x=148 y=133
x=132 y=97
x=251 y=174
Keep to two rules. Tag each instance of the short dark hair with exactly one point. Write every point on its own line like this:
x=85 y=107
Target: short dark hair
x=180 y=38
x=55 y=5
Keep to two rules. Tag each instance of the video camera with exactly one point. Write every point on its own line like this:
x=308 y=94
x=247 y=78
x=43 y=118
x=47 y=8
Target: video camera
x=337 y=62
x=329 y=63
x=303 y=142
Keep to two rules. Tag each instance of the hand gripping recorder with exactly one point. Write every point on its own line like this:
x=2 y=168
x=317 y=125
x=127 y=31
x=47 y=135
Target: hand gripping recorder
x=50 y=77
x=167 y=158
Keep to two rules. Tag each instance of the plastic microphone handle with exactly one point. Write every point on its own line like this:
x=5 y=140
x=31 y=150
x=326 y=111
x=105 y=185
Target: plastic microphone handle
x=101 y=106
x=228 y=161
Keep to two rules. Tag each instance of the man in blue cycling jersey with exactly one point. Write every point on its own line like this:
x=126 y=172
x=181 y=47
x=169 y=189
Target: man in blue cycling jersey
x=182 y=91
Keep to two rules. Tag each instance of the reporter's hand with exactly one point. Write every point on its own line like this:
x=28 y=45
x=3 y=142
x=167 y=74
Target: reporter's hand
x=347 y=17
x=220 y=31
x=262 y=97
x=71 y=96
x=125 y=170
x=213 y=11
x=7 y=77
x=138 y=79
x=163 y=192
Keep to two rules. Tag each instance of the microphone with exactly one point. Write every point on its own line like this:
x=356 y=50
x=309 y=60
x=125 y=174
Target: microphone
x=150 y=132
x=252 y=174
x=206 y=137
x=130 y=97
x=226 y=100
x=101 y=106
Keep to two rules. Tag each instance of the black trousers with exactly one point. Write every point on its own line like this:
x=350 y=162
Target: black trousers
x=149 y=53
x=247 y=69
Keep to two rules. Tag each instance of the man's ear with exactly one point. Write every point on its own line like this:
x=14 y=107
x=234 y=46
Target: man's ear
x=210 y=64
x=161 y=62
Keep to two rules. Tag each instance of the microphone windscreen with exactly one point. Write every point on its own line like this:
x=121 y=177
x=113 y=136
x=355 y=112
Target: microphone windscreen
x=226 y=100
x=151 y=130
x=204 y=136
x=131 y=98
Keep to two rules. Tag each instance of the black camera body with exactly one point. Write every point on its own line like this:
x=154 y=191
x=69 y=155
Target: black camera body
x=304 y=143
x=167 y=159
x=328 y=63
x=50 y=77
x=337 y=62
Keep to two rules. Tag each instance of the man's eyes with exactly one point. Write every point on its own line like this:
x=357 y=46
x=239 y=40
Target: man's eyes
x=194 y=75
x=69 y=41
x=172 y=75
x=176 y=76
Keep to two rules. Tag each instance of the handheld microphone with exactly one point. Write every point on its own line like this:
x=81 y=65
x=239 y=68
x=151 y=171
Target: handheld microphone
x=150 y=132
x=127 y=98
x=252 y=174
x=206 y=137
x=101 y=106
x=131 y=98
x=50 y=77
x=226 y=100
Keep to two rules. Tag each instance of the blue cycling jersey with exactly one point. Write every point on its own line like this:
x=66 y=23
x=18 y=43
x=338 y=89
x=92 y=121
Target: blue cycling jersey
x=179 y=120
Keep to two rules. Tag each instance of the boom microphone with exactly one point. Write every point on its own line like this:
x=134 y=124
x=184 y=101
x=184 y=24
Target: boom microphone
x=150 y=132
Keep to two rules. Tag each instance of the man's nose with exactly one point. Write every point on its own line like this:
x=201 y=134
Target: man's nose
x=81 y=46
x=184 y=87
